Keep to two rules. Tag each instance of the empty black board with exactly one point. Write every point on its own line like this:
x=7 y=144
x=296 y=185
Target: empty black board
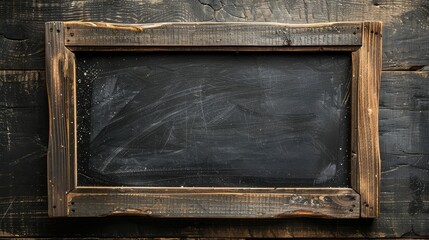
x=213 y=119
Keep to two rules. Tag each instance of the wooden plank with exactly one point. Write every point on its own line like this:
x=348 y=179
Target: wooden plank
x=212 y=34
x=58 y=75
x=207 y=190
x=23 y=128
x=342 y=203
x=70 y=117
x=216 y=49
x=405 y=22
x=368 y=153
x=16 y=88
x=354 y=166
x=404 y=125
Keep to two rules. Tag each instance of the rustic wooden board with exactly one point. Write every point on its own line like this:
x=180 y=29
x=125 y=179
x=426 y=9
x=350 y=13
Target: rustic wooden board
x=337 y=203
x=368 y=91
x=61 y=73
x=405 y=22
x=404 y=199
x=212 y=34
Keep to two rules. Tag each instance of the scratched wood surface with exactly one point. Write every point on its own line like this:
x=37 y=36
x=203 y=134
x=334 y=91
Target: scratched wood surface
x=61 y=71
x=212 y=34
x=368 y=91
x=279 y=203
x=404 y=125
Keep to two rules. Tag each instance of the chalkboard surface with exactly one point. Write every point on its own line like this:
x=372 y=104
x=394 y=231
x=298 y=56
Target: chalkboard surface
x=213 y=119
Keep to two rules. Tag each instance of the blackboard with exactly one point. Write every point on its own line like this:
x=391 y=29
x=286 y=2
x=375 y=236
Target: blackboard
x=224 y=134
x=213 y=119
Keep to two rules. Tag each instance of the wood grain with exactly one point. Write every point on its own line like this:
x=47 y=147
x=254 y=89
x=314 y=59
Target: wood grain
x=342 y=203
x=57 y=75
x=211 y=34
x=368 y=91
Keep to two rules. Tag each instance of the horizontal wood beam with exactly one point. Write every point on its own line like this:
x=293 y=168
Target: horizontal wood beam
x=212 y=34
x=339 y=203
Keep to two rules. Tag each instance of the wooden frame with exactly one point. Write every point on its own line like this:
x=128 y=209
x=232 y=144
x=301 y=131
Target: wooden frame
x=66 y=198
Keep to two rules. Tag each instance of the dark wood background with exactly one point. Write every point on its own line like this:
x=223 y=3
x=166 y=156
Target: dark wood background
x=404 y=115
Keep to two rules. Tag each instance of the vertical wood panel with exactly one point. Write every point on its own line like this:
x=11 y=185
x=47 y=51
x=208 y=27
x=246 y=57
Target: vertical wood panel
x=58 y=151
x=354 y=166
x=368 y=94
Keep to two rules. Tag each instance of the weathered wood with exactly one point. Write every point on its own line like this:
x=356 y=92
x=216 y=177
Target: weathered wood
x=405 y=22
x=216 y=49
x=58 y=75
x=354 y=169
x=23 y=131
x=404 y=125
x=343 y=203
x=368 y=91
x=212 y=34
x=17 y=88
x=207 y=190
